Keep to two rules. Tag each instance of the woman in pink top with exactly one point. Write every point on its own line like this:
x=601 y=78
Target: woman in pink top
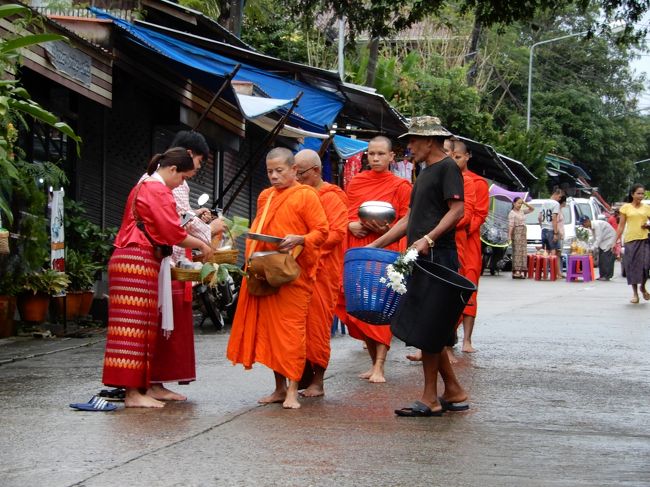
x=517 y=235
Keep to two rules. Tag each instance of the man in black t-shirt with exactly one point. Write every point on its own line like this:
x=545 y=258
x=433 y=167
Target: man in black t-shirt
x=430 y=225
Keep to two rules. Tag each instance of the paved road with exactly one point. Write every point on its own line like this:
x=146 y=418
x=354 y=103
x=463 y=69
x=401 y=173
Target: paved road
x=560 y=397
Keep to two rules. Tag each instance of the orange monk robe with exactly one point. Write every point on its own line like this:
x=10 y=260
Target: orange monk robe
x=328 y=275
x=474 y=258
x=462 y=227
x=373 y=186
x=271 y=330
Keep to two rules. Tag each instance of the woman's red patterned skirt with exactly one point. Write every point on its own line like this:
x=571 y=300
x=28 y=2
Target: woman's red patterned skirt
x=133 y=323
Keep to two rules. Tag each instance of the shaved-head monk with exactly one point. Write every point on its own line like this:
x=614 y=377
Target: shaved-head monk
x=473 y=258
x=330 y=267
x=271 y=329
x=375 y=184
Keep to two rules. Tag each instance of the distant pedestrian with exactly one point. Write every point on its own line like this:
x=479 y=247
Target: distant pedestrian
x=636 y=256
x=517 y=235
x=605 y=238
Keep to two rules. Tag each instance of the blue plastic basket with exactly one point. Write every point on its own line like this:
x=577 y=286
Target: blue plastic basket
x=365 y=297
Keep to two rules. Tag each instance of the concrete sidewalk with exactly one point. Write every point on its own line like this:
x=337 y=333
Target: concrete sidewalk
x=559 y=389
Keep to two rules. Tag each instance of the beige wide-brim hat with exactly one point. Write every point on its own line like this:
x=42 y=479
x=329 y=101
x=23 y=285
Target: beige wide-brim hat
x=426 y=126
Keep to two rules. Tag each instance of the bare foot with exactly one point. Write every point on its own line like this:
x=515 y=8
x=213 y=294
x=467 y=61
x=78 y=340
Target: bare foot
x=314 y=390
x=467 y=348
x=273 y=398
x=160 y=392
x=291 y=401
x=377 y=378
x=366 y=375
x=137 y=400
x=415 y=357
x=451 y=356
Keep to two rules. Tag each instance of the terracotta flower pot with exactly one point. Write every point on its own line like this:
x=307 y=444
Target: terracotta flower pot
x=33 y=307
x=7 y=310
x=72 y=301
x=86 y=303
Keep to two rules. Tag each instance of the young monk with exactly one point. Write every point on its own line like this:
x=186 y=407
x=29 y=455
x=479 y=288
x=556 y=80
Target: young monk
x=272 y=329
x=473 y=253
x=330 y=268
x=376 y=184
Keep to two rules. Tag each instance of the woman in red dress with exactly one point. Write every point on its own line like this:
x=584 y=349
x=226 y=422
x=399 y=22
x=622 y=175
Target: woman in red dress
x=136 y=275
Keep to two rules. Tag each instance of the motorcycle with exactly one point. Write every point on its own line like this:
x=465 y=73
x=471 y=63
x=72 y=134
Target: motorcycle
x=216 y=303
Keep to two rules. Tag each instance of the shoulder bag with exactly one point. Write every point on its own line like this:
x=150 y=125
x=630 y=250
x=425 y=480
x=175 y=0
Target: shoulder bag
x=268 y=271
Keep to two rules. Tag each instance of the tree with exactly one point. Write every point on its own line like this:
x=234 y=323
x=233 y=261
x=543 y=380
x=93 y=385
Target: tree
x=380 y=18
x=21 y=199
x=15 y=105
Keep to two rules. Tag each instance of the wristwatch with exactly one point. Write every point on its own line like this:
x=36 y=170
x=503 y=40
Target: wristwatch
x=429 y=240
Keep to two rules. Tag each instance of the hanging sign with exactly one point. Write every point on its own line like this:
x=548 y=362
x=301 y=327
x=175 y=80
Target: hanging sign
x=57 y=234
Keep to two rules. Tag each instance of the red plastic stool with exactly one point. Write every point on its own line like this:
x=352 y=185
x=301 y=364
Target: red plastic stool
x=546 y=268
x=532 y=261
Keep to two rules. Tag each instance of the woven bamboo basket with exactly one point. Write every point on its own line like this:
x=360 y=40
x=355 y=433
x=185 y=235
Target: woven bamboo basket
x=225 y=256
x=4 y=242
x=179 y=274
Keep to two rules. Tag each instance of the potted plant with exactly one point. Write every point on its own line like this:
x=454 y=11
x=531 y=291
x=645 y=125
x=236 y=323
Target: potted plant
x=81 y=270
x=36 y=288
x=8 y=290
x=90 y=248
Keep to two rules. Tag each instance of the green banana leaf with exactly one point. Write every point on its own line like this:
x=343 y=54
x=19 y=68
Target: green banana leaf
x=12 y=9
x=29 y=40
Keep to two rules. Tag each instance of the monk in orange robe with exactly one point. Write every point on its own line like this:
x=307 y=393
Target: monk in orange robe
x=376 y=184
x=330 y=268
x=271 y=329
x=474 y=254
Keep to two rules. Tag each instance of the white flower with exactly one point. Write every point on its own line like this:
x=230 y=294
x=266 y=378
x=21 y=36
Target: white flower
x=382 y=280
x=410 y=256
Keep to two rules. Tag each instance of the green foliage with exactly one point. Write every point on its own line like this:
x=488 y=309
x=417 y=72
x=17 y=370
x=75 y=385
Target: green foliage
x=269 y=27
x=211 y=8
x=46 y=281
x=85 y=238
x=381 y=18
x=218 y=273
x=23 y=197
x=529 y=146
x=15 y=104
x=81 y=270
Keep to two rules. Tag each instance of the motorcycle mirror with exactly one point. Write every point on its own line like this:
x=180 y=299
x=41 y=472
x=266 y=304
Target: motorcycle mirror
x=203 y=199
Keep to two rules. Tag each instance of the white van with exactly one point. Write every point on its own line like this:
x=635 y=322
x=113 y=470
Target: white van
x=575 y=209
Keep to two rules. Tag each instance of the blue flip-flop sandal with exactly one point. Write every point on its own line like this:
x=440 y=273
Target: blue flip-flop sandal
x=95 y=404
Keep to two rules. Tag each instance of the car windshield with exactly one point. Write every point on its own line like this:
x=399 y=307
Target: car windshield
x=583 y=209
x=531 y=218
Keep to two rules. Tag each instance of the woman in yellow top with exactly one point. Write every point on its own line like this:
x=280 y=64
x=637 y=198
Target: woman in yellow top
x=636 y=260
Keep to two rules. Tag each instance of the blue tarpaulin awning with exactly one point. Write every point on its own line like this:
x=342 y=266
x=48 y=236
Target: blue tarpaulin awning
x=346 y=147
x=316 y=110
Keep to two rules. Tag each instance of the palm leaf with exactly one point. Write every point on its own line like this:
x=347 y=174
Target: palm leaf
x=34 y=110
x=26 y=41
x=12 y=9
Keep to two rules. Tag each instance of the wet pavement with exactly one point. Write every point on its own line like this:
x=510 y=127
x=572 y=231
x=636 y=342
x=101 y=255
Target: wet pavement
x=560 y=396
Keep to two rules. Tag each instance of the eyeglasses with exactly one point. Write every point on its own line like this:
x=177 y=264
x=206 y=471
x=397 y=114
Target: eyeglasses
x=300 y=173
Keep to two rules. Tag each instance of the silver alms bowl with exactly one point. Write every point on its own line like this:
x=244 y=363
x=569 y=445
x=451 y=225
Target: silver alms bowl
x=378 y=211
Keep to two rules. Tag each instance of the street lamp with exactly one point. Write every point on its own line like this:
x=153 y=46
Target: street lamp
x=530 y=70
x=616 y=26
